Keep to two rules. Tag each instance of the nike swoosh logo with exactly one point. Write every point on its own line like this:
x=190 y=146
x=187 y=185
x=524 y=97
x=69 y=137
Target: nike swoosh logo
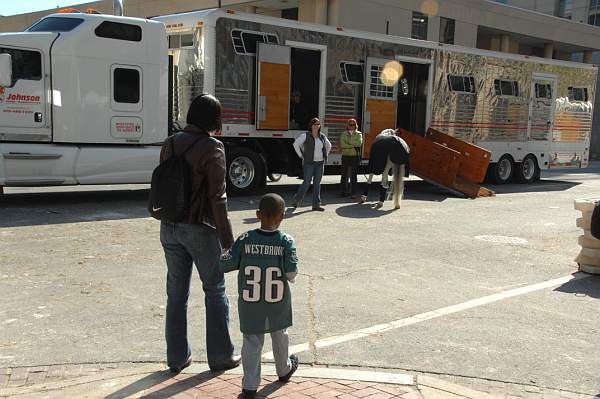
x=156 y=209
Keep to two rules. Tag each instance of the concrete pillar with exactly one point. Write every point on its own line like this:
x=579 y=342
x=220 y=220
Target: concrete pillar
x=321 y=11
x=333 y=12
x=505 y=44
x=548 y=50
x=587 y=56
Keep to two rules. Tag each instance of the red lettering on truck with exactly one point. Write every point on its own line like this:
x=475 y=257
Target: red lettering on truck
x=22 y=98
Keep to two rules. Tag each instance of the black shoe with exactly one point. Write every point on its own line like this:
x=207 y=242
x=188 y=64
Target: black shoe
x=231 y=363
x=247 y=394
x=294 y=362
x=177 y=370
x=318 y=208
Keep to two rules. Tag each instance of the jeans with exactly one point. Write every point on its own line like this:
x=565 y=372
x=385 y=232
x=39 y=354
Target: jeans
x=184 y=244
x=312 y=171
x=349 y=171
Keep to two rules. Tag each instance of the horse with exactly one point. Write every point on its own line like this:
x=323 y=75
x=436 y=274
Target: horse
x=388 y=153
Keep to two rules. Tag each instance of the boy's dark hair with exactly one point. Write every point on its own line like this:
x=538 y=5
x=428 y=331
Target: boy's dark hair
x=205 y=113
x=271 y=205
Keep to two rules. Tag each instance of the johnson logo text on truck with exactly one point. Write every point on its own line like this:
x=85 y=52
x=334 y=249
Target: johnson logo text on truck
x=19 y=98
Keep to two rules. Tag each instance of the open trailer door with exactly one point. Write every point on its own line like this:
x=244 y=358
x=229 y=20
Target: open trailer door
x=273 y=94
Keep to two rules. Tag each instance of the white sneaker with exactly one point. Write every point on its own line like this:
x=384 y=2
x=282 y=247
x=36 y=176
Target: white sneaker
x=363 y=199
x=378 y=205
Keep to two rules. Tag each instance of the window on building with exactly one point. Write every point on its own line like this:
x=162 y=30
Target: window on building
x=594 y=15
x=565 y=8
x=119 y=31
x=447 y=30
x=543 y=90
x=245 y=41
x=290 y=13
x=504 y=87
x=419 y=26
x=56 y=24
x=179 y=41
x=26 y=64
x=461 y=84
x=578 y=94
x=126 y=84
x=376 y=86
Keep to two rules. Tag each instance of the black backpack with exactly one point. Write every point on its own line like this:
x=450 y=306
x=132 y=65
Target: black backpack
x=170 y=188
x=595 y=223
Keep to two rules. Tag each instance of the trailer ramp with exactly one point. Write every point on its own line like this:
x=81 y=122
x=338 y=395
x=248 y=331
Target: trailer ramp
x=448 y=162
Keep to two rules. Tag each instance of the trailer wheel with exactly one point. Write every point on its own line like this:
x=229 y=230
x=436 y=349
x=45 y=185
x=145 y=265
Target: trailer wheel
x=503 y=170
x=274 y=176
x=528 y=171
x=245 y=171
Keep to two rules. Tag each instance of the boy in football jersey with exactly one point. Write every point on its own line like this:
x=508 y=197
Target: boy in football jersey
x=266 y=260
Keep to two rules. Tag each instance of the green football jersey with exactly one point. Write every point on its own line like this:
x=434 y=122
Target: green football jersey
x=262 y=259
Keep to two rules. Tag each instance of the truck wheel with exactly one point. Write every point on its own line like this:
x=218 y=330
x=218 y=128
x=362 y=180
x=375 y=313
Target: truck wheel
x=245 y=171
x=274 y=176
x=528 y=171
x=503 y=170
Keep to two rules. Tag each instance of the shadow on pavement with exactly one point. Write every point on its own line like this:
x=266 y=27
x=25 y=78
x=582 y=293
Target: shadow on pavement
x=45 y=208
x=588 y=285
x=147 y=382
x=167 y=391
x=364 y=211
x=269 y=389
x=544 y=185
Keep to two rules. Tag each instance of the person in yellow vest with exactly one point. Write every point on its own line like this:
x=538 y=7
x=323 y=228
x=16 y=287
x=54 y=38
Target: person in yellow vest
x=351 y=145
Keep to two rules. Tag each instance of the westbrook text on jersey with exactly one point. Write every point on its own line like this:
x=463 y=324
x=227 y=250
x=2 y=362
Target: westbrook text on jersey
x=258 y=249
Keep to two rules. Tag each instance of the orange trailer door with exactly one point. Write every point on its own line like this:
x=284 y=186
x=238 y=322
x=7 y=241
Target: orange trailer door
x=381 y=98
x=273 y=94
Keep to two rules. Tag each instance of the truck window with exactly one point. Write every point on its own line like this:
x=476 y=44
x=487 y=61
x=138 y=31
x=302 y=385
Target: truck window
x=352 y=72
x=26 y=64
x=461 y=84
x=245 y=41
x=578 y=94
x=543 y=90
x=119 y=31
x=55 y=24
x=126 y=83
x=504 y=87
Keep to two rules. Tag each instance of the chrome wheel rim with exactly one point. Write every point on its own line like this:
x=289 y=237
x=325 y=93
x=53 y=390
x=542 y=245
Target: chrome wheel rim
x=241 y=172
x=528 y=168
x=504 y=169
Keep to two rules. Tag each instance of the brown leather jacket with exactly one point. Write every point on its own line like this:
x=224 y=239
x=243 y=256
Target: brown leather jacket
x=208 y=202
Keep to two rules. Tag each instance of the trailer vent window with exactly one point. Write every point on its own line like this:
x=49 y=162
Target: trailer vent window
x=26 y=64
x=352 y=72
x=543 y=90
x=461 y=84
x=245 y=41
x=119 y=31
x=181 y=41
x=578 y=94
x=126 y=85
x=506 y=87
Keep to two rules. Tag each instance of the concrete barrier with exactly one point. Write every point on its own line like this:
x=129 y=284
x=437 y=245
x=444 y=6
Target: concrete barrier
x=589 y=256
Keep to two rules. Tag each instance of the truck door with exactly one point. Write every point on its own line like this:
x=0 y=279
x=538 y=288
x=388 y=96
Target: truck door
x=380 y=98
x=24 y=113
x=273 y=94
x=541 y=109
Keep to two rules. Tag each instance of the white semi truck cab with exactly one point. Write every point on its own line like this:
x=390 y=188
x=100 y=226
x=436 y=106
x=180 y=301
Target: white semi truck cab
x=83 y=100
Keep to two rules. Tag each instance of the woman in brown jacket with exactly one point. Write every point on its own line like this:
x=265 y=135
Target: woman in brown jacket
x=199 y=239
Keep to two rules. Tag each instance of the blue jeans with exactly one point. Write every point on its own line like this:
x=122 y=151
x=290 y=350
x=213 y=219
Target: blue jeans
x=184 y=244
x=312 y=171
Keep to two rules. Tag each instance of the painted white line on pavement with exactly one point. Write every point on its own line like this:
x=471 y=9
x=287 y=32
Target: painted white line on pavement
x=419 y=318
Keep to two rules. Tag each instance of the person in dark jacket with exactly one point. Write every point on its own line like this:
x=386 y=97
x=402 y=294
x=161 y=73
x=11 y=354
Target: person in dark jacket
x=388 y=153
x=199 y=239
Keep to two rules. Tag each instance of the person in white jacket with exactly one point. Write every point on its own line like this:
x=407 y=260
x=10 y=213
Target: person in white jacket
x=313 y=147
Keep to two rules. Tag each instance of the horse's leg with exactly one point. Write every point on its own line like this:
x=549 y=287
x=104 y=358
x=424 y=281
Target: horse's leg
x=398 y=185
x=365 y=194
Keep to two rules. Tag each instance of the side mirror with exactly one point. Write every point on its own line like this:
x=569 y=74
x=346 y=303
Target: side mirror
x=5 y=70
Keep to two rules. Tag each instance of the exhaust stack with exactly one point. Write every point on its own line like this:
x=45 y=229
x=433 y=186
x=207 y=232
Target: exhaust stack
x=118 y=7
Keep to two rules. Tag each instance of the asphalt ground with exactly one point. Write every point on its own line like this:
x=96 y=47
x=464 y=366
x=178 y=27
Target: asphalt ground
x=82 y=279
